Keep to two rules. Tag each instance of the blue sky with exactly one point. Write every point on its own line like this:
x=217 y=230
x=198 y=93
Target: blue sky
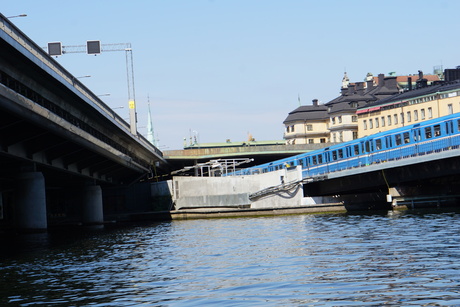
x=223 y=69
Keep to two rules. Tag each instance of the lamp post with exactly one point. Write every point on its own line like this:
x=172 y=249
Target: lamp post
x=21 y=15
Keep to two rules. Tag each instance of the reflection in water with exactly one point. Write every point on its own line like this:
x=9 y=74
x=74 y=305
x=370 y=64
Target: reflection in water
x=399 y=258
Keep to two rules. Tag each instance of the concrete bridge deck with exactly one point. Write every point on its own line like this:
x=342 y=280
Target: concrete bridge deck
x=61 y=147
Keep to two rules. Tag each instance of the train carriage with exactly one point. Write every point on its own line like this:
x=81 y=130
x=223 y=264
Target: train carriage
x=417 y=139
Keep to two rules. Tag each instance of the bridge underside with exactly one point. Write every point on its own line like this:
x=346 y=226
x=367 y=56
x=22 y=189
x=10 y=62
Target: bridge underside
x=25 y=145
x=429 y=179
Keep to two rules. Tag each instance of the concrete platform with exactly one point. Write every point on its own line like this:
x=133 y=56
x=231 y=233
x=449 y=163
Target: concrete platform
x=200 y=213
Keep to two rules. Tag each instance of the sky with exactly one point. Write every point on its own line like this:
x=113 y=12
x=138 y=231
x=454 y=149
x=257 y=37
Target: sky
x=226 y=69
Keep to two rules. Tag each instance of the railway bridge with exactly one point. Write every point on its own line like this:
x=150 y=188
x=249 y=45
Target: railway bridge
x=416 y=180
x=414 y=165
x=58 y=138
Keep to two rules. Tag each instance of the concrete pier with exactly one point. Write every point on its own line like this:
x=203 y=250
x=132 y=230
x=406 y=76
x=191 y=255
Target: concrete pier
x=92 y=209
x=31 y=201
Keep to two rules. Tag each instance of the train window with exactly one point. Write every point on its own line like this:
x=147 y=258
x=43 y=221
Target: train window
x=340 y=153
x=356 y=149
x=320 y=159
x=398 y=139
x=314 y=160
x=437 y=130
x=406 y=137
x=428 y=133
x=334 y=155
x=458 y=124
x=388 y=142
x=378 y=144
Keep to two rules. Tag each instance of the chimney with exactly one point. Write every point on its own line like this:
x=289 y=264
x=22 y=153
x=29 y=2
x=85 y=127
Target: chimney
x=391 y=84
x=351 y=89
x=315 y=102
x=409 y=83
x=381 y=80
x=360 y=88
x=370 y=84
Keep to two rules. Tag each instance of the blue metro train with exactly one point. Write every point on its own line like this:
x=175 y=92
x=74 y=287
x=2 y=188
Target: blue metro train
x=426 y=137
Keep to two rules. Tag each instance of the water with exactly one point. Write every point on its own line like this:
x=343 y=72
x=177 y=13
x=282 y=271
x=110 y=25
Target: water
x=392 y=259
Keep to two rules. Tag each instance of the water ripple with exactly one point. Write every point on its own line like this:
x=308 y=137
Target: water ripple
x=396 y=258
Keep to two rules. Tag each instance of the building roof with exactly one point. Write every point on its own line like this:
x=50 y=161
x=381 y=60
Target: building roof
x=415 y=93
x=429 y=78
x=363 y=94
x=305 y=113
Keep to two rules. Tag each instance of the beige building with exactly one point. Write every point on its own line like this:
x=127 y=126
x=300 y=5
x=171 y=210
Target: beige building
x=409 y=108
x=358 y=110
x=307 y=125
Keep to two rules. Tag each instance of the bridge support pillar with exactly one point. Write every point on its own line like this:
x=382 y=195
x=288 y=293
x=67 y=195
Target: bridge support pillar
x=92 y=205
x=31 y=201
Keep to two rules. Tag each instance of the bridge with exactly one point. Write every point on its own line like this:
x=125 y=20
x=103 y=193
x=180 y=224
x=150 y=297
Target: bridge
x=416 y=164
x=58 y=138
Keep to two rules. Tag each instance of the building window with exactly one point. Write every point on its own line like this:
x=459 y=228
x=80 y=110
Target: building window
x=383 y=121
x=402 y=118
x=287 y=129
x=450 y=109
x=340 y=119
x=376 y=122
x=422 y=114
x=371 y=124
x=354 y=104
x=415 y=115
x=309 y=127
x=430 y=112
x=310 y=141
x=365 y=124
x=322 y=140
x=355 y=135
x=409 y=118
x=334 y=137
x=389 y=120
x=396 y=118
x=292 y=128
x=333 y=120
x=354 y=118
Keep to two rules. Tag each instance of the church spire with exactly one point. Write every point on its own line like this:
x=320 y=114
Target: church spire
x=345 y=80
x=150 y=136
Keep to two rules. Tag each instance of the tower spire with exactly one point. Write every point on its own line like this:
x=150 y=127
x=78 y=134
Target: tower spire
x=150 y=135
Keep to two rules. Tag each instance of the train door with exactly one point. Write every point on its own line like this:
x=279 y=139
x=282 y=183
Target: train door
x=449 y=127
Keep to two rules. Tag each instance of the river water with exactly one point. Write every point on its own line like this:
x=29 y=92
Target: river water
x=401 y=258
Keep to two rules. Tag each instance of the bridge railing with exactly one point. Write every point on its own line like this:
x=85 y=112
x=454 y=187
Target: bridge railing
x=404 y=152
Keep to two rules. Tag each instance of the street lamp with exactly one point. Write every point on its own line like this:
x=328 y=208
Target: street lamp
x=87 y=76
x=108 y=94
